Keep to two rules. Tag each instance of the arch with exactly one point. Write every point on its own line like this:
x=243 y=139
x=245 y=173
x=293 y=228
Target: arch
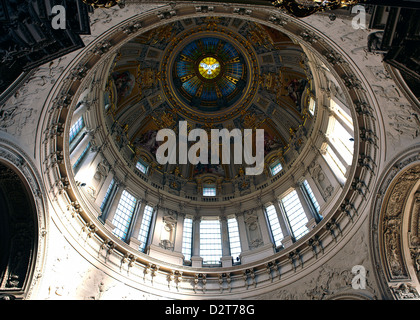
x=394 y=229
x=23 y=226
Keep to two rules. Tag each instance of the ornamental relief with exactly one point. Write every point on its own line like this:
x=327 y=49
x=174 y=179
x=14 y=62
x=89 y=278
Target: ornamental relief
x=167 y=236
x=414 y=234
x=392 y=223
x=321 y=180
x=253 y=229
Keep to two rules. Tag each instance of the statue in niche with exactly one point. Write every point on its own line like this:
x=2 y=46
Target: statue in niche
x=101 y=172
x=124 y=82
x=216 y=169
x=167 y=235
x=295 y=89
x=270 y=143
x=148 y=141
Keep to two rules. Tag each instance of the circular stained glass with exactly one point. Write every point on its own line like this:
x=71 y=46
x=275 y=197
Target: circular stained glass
x=209 y=68
x=209 y=74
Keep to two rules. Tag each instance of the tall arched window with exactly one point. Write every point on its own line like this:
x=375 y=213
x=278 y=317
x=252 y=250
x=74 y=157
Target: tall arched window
x=210 y=241
x=339 y=148
x=295 y=214
x=76 y=128
x=342 y=140
x=274 y=224
x=124 y=214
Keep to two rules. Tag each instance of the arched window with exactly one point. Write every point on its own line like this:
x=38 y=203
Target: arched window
x=274 y=225
x=81 y=157
x=276 y=168
x=295 y=214
x=339 y=149
x=209 y=191
x=342 y=140
x=310 y=196
x=124 y=214
x=76 y=128
x=142 y=167
x=107 y=195
x=210 y=241
x=335 y=164
x=145 y=227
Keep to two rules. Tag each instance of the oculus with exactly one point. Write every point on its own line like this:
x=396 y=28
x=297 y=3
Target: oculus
x=209 y=74
x=209 y=68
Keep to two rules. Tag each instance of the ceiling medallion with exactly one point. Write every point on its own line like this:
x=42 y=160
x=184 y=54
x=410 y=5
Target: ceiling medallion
x=209 y=68
x=210 y=76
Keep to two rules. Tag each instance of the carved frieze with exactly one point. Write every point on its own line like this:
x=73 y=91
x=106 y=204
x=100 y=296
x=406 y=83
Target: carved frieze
x=253 y=229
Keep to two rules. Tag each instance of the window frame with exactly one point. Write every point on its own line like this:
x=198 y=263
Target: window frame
x=273 y=220
x=208 y=188
x=187 y=238
x=126 y=206
x=211 y=242
x=76 y=128
x=274 y=166
x=289 y=213
x=234 y=238
x=146 y=224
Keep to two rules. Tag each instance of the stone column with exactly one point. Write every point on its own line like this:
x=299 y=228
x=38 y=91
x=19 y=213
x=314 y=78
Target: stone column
x=79 y=148
x=138 y=217
x=196 y=260
x=156 y=226
x=111 y=197
x=242 y=232
x=102 y=192
x=226 y=257
x=179 y=232
x=113 y=207
x=265 y=232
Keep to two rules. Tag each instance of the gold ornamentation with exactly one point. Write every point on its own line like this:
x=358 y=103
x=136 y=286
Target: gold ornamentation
x=104 y=3
x=304 y=8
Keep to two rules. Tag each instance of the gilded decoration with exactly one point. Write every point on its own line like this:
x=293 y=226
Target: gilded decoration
x=213 y=73
x=224 y=95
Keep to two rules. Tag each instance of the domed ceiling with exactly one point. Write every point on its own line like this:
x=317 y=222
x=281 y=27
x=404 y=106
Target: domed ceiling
x=214 y=73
